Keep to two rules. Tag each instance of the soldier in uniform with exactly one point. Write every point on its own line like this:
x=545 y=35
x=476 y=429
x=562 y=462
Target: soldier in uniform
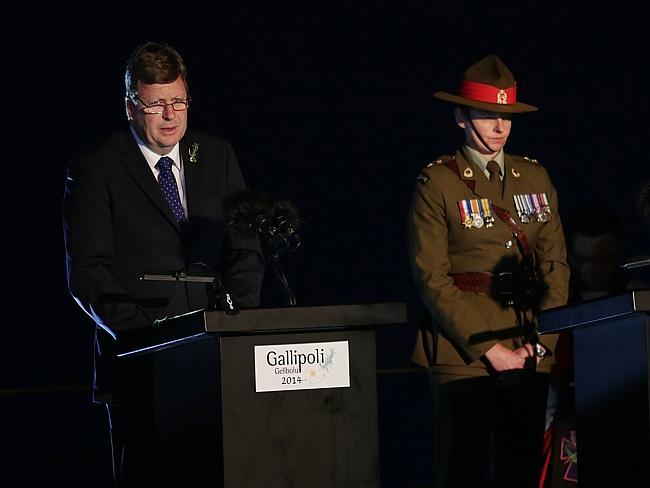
x=470 y=213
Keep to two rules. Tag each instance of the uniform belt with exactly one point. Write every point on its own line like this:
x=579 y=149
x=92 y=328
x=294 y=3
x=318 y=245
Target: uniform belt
x=476 y=282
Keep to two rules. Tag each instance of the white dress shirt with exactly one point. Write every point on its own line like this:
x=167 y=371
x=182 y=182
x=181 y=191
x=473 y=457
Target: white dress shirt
x=177 y=168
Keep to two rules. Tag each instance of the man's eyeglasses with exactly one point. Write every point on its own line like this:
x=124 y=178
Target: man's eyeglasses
x=159 y=107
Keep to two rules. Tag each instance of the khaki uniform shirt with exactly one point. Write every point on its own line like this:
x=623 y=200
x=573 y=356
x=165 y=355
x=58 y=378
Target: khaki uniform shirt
x=467 y=324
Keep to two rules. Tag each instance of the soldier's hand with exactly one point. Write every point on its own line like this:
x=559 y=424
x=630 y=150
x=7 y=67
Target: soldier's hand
x=526 y=351
x=501 y=358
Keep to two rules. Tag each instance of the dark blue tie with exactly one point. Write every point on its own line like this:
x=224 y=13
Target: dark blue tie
x=169 y=188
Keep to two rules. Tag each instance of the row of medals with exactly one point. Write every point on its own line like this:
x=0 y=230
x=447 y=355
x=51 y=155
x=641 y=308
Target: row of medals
x=526 y=215
x=477 y=221
x=529 y=210
x=484 y=216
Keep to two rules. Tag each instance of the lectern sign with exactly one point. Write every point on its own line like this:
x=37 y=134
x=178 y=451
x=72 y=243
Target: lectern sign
x=302 y=366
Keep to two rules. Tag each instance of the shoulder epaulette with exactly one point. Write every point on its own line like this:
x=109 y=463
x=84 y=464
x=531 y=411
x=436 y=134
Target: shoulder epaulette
x=530 y=160
x=422 y=177
x=439 y=161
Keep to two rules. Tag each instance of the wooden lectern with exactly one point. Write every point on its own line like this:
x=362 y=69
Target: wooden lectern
x=612 y=385
x=212 y=429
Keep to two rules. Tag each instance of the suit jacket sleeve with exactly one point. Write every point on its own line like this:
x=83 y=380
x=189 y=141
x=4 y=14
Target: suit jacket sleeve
x=90 y=253
x=242 y=259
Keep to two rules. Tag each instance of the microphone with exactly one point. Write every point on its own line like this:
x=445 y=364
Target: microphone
x=276 y=222
x=249 y=213
x=287 y=221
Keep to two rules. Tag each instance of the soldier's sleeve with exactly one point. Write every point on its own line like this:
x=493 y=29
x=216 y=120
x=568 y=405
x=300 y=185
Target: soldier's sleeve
x=430 y=264
x=550 y=249
x=551 y=254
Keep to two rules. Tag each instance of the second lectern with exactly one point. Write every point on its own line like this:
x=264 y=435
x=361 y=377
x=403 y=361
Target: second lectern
x=612 y=386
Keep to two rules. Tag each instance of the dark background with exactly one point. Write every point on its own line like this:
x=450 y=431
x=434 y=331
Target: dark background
x=328 y=106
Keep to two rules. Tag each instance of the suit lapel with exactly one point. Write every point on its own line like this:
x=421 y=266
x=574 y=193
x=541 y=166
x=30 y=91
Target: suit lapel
x=137 y=166
x=189 y=150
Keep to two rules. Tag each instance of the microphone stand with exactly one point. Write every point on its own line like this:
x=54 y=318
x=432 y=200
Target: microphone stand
x=275 y=223
x=277 y=244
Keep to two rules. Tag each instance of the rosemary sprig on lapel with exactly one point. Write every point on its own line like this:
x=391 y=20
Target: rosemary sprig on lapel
x=194 y=152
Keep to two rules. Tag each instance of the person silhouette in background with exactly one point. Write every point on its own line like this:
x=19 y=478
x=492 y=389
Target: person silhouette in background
x=593 y=245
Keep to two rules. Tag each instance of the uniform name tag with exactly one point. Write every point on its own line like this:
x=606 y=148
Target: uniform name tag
x=302 y=366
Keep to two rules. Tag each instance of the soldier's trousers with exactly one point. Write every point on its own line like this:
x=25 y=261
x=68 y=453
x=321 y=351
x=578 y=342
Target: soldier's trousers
x=488 y=435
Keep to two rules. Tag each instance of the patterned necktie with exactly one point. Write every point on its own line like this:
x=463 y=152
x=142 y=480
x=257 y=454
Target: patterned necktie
x=169 y=188
x=495 y=176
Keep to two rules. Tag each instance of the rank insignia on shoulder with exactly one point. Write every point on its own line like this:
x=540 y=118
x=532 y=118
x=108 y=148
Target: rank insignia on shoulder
x=476 y=213
x=423 y=178
x=531 y=160
x=436 y=162
x=533 y=207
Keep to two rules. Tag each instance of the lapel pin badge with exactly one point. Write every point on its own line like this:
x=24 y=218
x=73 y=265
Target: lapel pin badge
x=194 y=152
x=515 y=173
x=468 y=173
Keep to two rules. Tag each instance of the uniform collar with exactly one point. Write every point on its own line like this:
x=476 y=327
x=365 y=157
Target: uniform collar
x=481 y=161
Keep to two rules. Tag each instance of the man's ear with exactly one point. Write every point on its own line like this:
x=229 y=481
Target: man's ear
x=461 y=117
x=128 y=106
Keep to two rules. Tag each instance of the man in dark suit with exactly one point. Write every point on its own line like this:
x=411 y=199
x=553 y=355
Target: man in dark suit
x=150 y=199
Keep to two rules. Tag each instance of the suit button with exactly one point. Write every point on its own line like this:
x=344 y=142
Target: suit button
x=508 y=244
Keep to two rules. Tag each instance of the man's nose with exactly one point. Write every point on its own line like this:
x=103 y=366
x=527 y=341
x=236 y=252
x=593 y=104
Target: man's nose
x=168 y=112
x=499 y=124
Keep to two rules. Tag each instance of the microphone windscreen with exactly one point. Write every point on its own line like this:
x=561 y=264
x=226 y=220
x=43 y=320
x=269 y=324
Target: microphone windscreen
x=286 y=216
x=244 y=211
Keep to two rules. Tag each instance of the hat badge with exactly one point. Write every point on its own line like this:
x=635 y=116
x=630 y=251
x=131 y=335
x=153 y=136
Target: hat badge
x=502 y=97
